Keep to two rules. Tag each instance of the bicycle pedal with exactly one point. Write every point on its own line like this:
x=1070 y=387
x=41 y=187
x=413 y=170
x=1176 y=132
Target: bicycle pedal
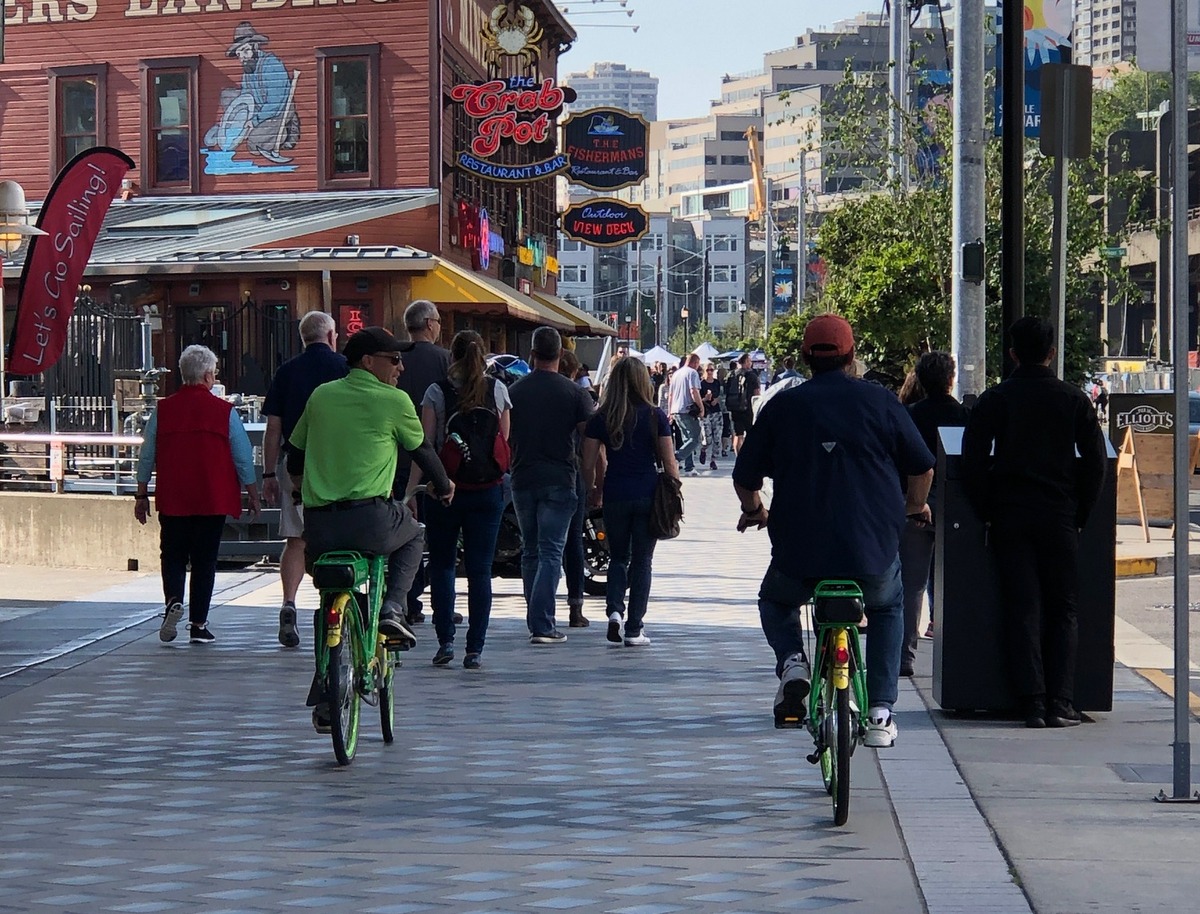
x=399 y=644
x=789 y=723
x=370 y=698
x=813 y=758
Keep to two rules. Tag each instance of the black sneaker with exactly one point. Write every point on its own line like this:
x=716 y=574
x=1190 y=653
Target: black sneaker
x=199 y=634
x=614 y=628
x=393 y=628
x=552 y=637
x=458 y=618
x=472 y=662
x=445 y=653
x=1035 y=713
x=414 y=617
x=288 y=635
x=322 y=722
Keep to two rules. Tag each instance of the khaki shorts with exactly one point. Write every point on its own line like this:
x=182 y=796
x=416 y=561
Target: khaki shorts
x=291 y=515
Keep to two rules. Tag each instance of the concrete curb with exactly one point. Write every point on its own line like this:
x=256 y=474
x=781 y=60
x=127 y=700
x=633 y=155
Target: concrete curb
x=1152 y=566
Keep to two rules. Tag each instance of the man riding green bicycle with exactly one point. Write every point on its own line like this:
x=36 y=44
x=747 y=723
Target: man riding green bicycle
x=837 y=449
x=345 y=448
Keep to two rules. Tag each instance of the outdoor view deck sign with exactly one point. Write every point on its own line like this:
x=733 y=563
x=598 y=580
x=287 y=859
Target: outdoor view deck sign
x=518 y=111
x=607 y=148
x=605 y=222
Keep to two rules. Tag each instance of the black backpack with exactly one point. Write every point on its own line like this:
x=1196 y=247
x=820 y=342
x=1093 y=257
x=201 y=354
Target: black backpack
x=736 y=400
x=474 y=453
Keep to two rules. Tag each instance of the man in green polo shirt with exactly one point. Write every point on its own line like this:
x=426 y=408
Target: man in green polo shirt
x=345 y=446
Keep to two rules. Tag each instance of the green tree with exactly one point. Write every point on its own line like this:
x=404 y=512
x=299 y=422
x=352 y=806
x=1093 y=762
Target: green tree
x=786 y=335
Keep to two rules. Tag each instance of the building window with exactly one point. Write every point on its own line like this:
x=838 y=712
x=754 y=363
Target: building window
x=722 y=304
x=571 y=273
x=722 y=273
x=568 y=245
x=723 y=243
x=169 y=141
x=77 y=112
x=348 y=113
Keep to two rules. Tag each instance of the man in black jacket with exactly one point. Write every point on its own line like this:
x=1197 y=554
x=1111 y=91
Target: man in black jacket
x=1036 y=495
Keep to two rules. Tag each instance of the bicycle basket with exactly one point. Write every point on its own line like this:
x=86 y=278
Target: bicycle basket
x=838 y=603
x=340 y=571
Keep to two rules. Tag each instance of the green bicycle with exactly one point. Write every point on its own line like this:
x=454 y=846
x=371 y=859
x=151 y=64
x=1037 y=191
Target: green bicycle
x=838 y=697
x=354 y=662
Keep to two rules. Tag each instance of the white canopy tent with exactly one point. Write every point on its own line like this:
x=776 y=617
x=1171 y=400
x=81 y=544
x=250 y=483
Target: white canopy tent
x=659 y=354
x=707 y=351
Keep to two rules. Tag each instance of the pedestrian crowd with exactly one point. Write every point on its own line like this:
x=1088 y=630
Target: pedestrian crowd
x=364 y=447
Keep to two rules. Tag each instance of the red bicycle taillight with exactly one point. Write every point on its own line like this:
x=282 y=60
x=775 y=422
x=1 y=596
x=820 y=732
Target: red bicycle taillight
x=333 y=615
x=841 y=655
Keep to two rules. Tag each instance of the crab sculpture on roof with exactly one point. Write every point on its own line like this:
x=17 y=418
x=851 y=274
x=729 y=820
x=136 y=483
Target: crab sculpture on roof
x=511 y=34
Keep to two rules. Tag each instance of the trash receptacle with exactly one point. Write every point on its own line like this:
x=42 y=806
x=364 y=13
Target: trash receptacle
x=969 y=645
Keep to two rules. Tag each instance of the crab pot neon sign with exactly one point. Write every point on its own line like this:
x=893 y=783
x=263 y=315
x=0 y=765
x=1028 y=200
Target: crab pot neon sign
x=518 y=111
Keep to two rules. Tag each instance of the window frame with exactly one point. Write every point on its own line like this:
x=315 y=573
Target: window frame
x=149 y=161
x=326 y=179
x=58 y=157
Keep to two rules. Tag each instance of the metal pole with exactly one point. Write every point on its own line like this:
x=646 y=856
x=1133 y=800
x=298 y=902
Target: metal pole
x=1012 y=305
x=1179 y=296
x=768 y=278
x=3 y=344
x=968 y=329
x=801 y=244
x=658 y=304
x=898 y=81
x=1059 y=254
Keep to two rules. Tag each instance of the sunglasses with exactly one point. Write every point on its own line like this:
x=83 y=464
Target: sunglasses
x=393 y=357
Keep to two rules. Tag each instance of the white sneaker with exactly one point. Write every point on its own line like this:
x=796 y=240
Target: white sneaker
x=692 y=473
x=881 y=731
x=791 y=707
x=638 y=640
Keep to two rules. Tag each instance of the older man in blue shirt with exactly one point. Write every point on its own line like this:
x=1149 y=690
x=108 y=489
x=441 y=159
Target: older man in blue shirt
x=834 y=448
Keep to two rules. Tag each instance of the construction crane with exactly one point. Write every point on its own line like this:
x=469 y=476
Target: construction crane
x=756 y=170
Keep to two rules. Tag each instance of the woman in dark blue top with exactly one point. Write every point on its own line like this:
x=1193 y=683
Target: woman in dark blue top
x=634 y=434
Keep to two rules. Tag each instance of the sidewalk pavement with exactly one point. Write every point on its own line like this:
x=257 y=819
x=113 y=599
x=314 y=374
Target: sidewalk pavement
x=138 y=776
x=1138 y=558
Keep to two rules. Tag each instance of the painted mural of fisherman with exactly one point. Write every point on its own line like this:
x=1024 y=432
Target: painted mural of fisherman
x=260 y=111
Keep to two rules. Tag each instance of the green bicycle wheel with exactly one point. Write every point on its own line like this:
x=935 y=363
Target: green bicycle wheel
x=387 y=697
x=343 y=698
x=841 y=747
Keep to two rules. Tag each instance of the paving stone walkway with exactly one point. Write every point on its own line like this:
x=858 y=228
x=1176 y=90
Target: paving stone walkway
x=142 y=777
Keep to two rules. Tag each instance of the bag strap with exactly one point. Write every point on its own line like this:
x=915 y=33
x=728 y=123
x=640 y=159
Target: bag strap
x=653 y=423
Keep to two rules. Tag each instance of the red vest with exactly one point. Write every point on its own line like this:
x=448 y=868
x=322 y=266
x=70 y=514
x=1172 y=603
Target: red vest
x=192 y=456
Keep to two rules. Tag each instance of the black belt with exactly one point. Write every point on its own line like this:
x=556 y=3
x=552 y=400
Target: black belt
x=347 y=505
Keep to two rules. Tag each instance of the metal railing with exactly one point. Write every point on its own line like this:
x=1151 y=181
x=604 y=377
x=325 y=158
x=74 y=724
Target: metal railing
x=69 y=462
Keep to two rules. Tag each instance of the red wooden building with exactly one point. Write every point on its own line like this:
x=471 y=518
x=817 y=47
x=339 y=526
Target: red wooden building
x=292 y=154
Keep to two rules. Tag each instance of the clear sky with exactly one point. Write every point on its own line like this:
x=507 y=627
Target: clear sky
x=690 y=44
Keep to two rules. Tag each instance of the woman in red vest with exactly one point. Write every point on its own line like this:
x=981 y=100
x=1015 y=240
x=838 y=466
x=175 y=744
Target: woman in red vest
x=196 y=443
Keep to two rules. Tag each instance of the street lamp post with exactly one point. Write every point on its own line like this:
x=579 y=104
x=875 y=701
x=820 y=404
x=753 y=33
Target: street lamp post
x=14 y=230
x=683 y=313
x=628 y=328
x=742 y=314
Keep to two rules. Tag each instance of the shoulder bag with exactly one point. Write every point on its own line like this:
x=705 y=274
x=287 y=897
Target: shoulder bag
x=666 y=508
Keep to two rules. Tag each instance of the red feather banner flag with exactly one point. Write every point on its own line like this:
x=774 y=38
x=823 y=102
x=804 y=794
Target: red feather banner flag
x=71 y=217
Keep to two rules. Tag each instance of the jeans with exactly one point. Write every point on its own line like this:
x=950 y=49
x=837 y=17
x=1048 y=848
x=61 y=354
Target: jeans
x=573 y=552
x=421 y=579
x=544 y=516
x=194 y=539
x=689 y=428
x=916 y=573
x=631 y=550
x=884 y=598
x=476 y=514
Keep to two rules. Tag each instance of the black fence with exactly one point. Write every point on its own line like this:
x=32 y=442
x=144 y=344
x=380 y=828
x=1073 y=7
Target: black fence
x=251 y=340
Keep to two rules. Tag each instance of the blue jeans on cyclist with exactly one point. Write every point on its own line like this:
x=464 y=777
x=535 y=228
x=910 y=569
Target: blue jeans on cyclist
x=476 y=515
x=544 y=516
x=884 y=598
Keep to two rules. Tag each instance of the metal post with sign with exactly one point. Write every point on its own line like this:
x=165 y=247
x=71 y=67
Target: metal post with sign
x=1066 y=134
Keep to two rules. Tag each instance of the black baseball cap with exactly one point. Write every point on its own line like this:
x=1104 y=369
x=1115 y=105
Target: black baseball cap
x=372 y=341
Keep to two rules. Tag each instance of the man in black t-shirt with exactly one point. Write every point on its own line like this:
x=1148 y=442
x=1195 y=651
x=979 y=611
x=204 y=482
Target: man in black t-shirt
x=548 y=413
x=425 y=364
x=741 y=388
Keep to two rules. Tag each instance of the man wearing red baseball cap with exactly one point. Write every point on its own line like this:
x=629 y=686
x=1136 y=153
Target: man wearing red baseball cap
x=835 y=447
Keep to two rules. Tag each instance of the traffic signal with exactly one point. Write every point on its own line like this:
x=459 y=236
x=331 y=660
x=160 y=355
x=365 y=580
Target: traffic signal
x=784 y=250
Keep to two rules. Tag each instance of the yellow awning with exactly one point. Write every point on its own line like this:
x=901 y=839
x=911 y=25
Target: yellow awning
x=449 y=283
x=584 y=322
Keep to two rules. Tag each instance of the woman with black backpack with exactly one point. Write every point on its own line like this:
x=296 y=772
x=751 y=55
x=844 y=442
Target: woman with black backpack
x=635 y=436
x=466 y=418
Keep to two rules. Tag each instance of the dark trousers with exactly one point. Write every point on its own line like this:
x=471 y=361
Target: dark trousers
x=916 y=573
x=1038 y=565
x=192 y=539
x=421 y=579
x=573 y=557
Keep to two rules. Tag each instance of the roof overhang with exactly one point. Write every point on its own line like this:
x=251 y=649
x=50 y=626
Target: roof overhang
x=447 y=283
